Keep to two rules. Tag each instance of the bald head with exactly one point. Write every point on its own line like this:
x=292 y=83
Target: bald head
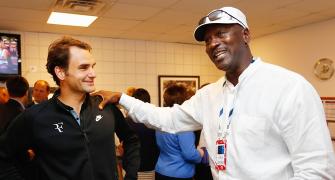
x=41 y=91
x=4 y=96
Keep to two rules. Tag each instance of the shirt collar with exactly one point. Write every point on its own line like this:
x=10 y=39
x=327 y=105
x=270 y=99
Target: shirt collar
x=19 y=103
x=246 y=73
x=66 y=107
x=250 y=69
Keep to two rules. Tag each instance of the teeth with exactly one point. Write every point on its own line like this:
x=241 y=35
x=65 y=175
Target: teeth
x=219 y=53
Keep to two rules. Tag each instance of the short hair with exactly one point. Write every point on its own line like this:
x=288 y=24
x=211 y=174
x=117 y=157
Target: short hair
x=130 y=91
x=142 y=95
x=17 y=86
x=176 y=94
x=59 y=54
x=45 y=82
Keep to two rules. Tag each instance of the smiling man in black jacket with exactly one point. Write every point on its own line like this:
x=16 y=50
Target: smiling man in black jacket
x=71 y=137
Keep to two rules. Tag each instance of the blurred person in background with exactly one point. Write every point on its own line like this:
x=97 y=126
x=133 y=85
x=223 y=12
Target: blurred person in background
x=14 y=55
x=4 y=96
x=178 y=154
x=149 y=149
x=18 y=97
x=41 y=91
x=18 y=89
x=4 y=54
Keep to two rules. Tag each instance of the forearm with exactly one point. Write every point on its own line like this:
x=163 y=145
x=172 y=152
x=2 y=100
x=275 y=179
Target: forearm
x=311 y=162
x=304 y=130
x=172 y=120
x=131 y=158
x=315 y=168
x=188 y=149
x=131 y=145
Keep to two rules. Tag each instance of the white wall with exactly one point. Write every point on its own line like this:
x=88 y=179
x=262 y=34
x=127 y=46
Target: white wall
x=298 y=49
x=122 y=63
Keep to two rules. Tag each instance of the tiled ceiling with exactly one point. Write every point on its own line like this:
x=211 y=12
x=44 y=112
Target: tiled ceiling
x=165 y=20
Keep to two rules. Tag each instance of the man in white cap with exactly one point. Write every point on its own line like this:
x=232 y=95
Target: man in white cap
x=260 y=121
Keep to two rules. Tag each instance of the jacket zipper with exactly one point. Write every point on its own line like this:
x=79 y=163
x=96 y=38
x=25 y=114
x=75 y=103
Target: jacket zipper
x=87 y=141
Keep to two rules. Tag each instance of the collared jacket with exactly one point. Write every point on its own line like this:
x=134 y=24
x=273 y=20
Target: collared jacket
x=8 y=112
x=66 y=150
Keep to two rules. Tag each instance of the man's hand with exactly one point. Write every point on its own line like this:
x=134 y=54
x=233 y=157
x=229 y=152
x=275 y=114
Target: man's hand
x=204 y=155
x=107 y=97
x=201 y=151
x=31 y=154
x=120 y=150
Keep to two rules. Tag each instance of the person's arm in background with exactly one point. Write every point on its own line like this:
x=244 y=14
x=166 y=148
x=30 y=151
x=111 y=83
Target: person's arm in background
x=131 y=145
x=178 y=118
x=202 y=147
x=188 y=149
x=301 y=119
x=13 y=148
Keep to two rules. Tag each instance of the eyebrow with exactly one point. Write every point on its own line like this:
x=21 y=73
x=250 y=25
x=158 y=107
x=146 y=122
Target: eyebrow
x=86 y=65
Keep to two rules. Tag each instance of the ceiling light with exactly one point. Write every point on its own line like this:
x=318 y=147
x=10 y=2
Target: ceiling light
x=70 y=19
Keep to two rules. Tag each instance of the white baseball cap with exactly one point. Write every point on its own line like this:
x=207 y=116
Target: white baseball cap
x=225 y=15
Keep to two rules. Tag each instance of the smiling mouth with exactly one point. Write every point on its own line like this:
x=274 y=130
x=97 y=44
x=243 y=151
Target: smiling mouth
x=90 y=82
x=219 y=53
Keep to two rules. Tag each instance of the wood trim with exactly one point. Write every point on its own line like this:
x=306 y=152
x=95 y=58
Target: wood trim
x=327 y=98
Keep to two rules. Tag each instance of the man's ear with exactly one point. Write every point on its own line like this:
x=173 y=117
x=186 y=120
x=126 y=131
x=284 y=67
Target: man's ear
x=60 y=73
x=246 y=35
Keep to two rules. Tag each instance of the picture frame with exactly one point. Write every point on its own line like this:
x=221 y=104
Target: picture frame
x=329 y=108
x=166 y=80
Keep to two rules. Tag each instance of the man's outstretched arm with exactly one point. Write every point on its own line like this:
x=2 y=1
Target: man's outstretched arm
x=175 y=119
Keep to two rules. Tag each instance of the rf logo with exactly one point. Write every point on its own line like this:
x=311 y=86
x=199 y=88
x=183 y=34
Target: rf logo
x=59 y=126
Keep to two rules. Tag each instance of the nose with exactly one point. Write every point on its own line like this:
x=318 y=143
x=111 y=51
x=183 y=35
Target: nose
x=213 y=42
x=92 y=74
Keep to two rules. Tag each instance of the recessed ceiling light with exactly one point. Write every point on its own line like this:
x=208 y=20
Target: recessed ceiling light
x=70 y=19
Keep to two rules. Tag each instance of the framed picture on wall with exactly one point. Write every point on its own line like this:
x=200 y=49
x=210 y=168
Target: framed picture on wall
x=329 y=108
x=165 y=81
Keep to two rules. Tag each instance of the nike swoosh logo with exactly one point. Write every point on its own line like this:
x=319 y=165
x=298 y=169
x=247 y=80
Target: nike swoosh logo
x=98 y=118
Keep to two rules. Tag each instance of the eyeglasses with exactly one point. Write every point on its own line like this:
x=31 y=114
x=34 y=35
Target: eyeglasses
x=218 y=14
